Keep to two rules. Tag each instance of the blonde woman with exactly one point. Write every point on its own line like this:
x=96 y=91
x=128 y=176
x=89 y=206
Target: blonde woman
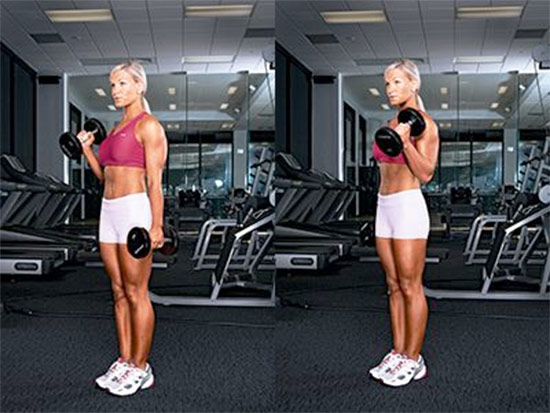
x=129 y=165
x=402 y=227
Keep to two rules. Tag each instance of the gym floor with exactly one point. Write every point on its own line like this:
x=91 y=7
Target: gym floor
x=309 y=354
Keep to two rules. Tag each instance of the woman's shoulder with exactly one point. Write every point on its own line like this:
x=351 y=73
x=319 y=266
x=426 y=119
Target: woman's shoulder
x=148 y=123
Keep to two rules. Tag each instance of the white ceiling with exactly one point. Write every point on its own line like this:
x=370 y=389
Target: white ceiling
x=155 y=29
x=424 y=29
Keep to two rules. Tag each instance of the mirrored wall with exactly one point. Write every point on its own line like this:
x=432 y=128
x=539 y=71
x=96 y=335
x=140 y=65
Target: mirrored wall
x=483 y=120
x=214 y=123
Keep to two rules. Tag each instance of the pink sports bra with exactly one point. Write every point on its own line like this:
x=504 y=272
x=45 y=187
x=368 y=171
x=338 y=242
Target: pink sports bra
x=122 y=148
x=380 y=156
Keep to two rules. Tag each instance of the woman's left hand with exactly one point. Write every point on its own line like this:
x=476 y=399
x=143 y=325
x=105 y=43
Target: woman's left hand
x=157 y=237
x=404 y=132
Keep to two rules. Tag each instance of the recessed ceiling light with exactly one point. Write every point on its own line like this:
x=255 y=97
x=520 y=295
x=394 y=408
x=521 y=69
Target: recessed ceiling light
x=172 y=106
x=100 y=92
x=385 y=106
x=356 y=16
x=494 y=105
x=207 y=59
x=232 y=90
x=171 y=90
x=237 y=110
x=488 y=12
x=444 y=106
x=82 y=15
x=502 y=90
x=374 y=91
x=228 y=10
x=507 y=109
x=497 y=124
x=252 y=88
x=224 y=106
x=444 y=90
x=227 y=125
x=521 y=87
x=478 y=59
x=111 y=107
x=177 y=126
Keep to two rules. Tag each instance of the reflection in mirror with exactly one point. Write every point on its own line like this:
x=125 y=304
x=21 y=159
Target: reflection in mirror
x=207 y=119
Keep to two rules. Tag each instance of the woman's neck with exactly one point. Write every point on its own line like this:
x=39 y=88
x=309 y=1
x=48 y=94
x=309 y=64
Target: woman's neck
x=132 y=110
x=409 y=103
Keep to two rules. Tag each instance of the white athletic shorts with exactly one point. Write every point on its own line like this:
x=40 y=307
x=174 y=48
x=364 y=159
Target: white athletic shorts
x=403 y=215
x=119 y=215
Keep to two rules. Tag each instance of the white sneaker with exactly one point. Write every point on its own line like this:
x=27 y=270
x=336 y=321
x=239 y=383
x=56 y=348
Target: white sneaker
x=387 y=363
x=116 y=369
x=405 y=371
x=132 y=380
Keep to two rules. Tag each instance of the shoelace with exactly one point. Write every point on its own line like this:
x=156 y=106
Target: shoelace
x=124 y=376
x=385 y=361
x=397 y=367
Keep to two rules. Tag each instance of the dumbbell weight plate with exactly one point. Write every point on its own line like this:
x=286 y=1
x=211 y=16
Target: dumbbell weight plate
x=171 y=241
x=414 y=118
x=97 y=128
x=70 y=145
x=388 y=141
x=139 y=242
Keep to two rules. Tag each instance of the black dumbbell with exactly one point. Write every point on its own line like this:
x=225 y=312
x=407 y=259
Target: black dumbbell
x=388 y=140
x=72 y=146
x=139 y=242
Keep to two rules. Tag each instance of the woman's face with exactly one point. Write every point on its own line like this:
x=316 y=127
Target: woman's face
x=399 y=87
x=124 y=89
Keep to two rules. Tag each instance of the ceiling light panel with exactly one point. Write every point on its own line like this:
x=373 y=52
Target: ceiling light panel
x=207 y=59
x=488 y=12
x=373 y=91
x=356 y=16
x=228 y=10
x=478 y=59
x=100 y=92
x=79 y=16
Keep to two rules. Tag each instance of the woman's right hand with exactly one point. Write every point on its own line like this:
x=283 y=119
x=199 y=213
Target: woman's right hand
x=86 y=138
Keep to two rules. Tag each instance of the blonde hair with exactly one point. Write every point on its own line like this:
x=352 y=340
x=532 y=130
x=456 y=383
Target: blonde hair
x=411 y=70
x=137 y=71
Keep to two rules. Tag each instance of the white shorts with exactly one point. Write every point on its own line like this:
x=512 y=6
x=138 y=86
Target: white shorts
x=403 y=215
x=119 y=215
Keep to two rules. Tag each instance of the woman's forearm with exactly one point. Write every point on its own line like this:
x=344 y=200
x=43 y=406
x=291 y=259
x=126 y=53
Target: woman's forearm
x=156 y=198
x=93 y=161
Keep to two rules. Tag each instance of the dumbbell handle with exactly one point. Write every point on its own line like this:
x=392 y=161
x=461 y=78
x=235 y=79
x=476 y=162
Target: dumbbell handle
x=93 y=132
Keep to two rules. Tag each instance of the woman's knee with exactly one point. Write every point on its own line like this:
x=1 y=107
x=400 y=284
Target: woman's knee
x=135 y=293
x=410 y=286
x=393 y=285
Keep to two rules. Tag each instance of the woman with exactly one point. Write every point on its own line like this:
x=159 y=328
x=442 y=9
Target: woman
x=130 y=164
x=402 y=227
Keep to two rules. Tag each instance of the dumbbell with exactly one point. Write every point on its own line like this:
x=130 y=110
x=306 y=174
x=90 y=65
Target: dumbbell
x=139 y=242
x=71 y=145
x=388 y=140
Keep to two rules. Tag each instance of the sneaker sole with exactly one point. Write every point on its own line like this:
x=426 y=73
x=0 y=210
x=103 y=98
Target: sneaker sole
x=147 y=385
x=422 y=374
